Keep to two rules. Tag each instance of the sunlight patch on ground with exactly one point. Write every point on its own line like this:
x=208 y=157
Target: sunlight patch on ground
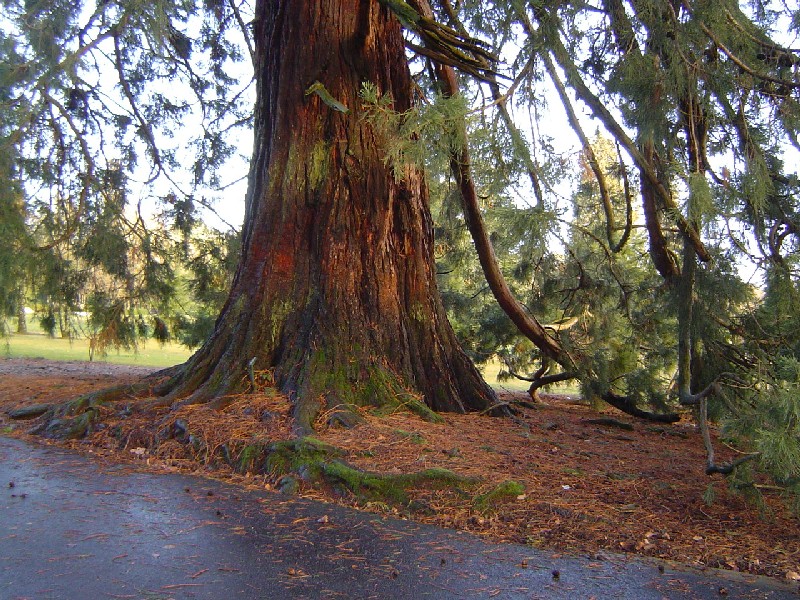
x=35 y=345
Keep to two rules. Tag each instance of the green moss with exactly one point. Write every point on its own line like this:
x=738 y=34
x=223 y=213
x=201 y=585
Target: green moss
x=215 y=380
x=365 y=485
x=418 y=312
x=389 y=488
x=249 y=457
x=414 y=436
x=70 y=427
x=316 y=462
x=422 y=410
x=573 y=472
x=304 y=456
x=348 y=387
x=275 y=319
x=318 y=164
x=508 y=490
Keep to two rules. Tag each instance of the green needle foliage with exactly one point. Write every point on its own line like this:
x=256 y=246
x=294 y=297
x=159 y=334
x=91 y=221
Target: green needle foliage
x=660 y=252
x=101 y=108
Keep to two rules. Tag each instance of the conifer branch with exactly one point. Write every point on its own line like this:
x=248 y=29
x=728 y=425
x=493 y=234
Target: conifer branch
x=246 y=31
x=601 y=112
x=442 y=43
x=600 y=178
x=711 y=465
x=460 y=166
x=780 y=55
x=86 y=178
x=145 y=128
x=626 y=188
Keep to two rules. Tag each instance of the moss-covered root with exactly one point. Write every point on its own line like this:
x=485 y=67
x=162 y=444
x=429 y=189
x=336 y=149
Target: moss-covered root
x=508 y=490
x=391 y=489
x=345 y=389
x=309 y=460
x=70 y=420
x=303 y=457
x=76 y=418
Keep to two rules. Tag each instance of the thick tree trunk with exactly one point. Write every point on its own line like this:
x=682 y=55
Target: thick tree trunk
x=335 y=293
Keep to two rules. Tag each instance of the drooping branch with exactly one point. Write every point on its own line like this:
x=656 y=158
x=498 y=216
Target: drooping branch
x=541 y=377
x=442 y=43
x=742 y=64
x=711 y=464
x=626 y=188
x=86 y=178
x=612 y=125
x=527 y=324
x=145 y=127
x=628 y=406
x=588 y=151
x=460 y=166
x=500 y=100
x=663 y=260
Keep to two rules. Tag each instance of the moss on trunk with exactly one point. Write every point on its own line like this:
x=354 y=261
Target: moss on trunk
x=335 y=292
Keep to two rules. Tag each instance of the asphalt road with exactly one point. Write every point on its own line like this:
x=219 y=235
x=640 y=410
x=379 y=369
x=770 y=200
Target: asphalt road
x=76 y=528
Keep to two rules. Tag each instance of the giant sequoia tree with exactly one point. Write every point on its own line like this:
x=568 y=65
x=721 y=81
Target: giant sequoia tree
x=336 y=287
x=335 y=295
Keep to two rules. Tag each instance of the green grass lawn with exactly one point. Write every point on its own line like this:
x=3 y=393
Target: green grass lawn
x=153 y=354
x=492 y=368
x=35 y=345
x=490 y=371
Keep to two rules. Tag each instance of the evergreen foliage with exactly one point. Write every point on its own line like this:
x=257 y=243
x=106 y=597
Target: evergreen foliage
x=102 y=106
x=662 y=253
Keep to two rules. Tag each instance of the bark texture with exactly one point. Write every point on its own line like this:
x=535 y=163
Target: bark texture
x=335 y=293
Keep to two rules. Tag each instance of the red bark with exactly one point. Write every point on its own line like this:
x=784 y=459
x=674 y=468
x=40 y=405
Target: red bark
x=336 y=288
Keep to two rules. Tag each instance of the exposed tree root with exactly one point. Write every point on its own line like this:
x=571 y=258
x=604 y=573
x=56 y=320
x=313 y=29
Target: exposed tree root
x=29 y=412
x=622 y=403
x=75 y=418
x=609 y=422
x=301 y=461
x=308 y=461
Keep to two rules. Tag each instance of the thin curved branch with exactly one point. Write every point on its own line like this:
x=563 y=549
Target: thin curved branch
x=711 y=465
x=735 y=59
x=248 y=39
x=500 y=100
x=460 y=166
x=626 y=187
x=610 y=123
x=86 y=178
x=588 y=151
x=144 y=125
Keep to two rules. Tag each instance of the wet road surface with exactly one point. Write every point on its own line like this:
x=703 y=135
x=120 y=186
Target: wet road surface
x=76 y=528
